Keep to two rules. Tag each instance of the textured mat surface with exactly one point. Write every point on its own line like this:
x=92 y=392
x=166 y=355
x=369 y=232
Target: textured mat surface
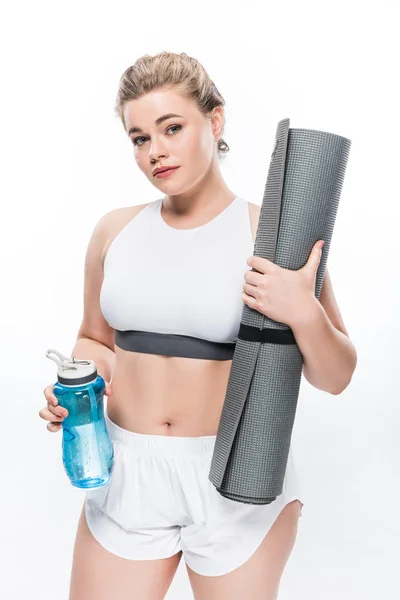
x=299 y=207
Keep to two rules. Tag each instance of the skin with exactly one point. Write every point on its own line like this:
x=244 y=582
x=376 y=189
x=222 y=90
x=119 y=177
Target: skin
x=150 y=392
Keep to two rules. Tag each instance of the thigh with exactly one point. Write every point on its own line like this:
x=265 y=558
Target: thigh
x=258 y=578
x=100 y=575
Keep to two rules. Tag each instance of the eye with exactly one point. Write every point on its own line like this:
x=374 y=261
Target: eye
x=172 y=126
x=135 y=140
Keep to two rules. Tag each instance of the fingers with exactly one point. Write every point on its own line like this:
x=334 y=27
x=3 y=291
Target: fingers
x=50 y=397
x=52 y=412
x=55 y=419
x=55 y=413
x=54 y=427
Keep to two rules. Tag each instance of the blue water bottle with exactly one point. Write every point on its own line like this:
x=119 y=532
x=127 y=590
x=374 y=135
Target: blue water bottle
x=87 y=450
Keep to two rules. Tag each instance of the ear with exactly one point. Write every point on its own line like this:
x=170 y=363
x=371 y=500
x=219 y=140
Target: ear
x=218 y=122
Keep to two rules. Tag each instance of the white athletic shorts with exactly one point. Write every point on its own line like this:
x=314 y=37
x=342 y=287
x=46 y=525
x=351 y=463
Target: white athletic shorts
x=160 y=501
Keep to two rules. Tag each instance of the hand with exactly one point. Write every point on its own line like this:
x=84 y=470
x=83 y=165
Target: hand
x=284 y=295
x=56 y=414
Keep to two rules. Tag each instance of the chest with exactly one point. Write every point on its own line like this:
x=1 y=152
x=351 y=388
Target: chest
x=191 y=285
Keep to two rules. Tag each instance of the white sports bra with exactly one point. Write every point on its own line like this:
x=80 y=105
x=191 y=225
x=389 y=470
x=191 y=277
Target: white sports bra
x=178 y=292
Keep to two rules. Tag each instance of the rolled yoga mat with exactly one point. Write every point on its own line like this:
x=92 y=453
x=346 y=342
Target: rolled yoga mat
x=299 y=207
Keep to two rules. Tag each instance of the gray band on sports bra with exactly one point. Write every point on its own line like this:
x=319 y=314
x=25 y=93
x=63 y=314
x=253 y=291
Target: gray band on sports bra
x=170 y=344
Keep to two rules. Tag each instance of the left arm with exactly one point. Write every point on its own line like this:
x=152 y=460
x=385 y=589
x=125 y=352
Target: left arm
x=329 y=356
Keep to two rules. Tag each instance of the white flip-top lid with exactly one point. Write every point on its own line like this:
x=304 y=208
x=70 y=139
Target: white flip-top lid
x=71 y=368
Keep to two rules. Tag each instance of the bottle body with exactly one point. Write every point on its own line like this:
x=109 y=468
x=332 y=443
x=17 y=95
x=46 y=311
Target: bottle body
x=87 y=450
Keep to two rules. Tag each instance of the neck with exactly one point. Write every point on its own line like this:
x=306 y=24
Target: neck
x=207 y=198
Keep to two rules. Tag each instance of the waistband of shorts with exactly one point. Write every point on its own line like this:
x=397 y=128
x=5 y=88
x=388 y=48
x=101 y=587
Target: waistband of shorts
x=160 y=445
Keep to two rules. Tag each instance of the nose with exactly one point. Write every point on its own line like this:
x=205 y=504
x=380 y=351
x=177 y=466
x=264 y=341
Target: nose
x=156 y=152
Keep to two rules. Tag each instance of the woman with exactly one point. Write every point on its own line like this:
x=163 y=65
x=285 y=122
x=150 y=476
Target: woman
x=164 y=289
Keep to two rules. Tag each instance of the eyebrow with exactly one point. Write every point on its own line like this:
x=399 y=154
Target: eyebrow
x=157 y=122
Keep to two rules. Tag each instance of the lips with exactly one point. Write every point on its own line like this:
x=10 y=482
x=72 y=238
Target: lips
x=163 y=169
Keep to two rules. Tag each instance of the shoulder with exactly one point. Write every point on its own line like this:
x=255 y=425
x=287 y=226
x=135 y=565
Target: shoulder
x=115 y=220
x=120 y=216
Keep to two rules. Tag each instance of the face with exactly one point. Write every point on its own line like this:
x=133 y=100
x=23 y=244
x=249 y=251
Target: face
x=187 y=141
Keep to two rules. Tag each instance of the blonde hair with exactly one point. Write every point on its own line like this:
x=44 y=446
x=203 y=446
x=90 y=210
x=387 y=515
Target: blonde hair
x=170 y=70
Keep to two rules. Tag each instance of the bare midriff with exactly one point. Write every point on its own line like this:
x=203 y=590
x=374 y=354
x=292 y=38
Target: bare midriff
x=167 y=395
x=170 y=395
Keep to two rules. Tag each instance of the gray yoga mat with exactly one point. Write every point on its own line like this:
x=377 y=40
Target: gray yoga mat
x=299 y=207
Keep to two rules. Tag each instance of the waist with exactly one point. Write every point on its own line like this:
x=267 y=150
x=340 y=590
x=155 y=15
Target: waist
x=167 y=395
x=178 y=446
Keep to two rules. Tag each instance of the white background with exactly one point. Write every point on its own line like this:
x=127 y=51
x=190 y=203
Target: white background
x=66 y=161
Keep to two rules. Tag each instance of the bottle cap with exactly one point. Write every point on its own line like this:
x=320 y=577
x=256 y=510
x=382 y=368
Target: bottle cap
x=72 y=371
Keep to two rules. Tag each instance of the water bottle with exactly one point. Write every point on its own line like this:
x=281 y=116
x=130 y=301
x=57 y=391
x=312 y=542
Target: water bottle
x=87 y=450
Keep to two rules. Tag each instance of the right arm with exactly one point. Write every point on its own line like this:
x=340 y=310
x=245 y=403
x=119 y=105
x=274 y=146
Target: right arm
x=95 y=338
